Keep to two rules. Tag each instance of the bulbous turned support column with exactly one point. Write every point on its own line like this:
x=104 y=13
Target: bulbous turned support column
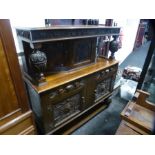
x=113 y=47
x=38 y=61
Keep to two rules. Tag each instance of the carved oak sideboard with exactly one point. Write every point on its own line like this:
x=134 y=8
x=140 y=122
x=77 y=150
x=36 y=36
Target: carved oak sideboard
x=74 y=84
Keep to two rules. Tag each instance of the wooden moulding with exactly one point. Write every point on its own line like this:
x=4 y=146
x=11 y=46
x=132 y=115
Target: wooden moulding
x=19 y=125
x=140 y=113
x=10 y=116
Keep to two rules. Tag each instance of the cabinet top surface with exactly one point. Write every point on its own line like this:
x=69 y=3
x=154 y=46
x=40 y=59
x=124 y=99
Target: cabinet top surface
x=53 y=33
x=66 y=27
x=61 y=78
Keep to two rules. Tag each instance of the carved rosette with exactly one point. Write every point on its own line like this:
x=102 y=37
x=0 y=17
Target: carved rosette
x=114 y=46
x=38 y=61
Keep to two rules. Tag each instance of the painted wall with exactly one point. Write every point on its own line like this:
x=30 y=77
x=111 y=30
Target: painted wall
x=129 y=30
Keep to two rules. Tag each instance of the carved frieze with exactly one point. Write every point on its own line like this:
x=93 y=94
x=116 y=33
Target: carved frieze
x=58 y=33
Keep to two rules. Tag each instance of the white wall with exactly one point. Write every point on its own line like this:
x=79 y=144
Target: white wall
x=102 y=21
x=129 y=28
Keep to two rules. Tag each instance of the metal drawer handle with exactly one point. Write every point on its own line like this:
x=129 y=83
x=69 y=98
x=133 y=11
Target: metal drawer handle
x=107 y=70
x=69 y=87
x=83 y=99
x=77 y=84
x=52 y=95
x=61 y=91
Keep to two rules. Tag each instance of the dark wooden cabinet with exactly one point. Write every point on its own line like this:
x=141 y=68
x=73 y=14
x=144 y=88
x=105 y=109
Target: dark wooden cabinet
x=15 y=115
x=73 y=83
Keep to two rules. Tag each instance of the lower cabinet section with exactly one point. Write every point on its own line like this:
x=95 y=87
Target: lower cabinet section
x=59 y=106
x=21 y=125
x=63 y=106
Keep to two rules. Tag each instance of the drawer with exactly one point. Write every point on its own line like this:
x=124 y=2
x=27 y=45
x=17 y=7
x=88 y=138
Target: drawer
x=64 y=91
x=99 y=76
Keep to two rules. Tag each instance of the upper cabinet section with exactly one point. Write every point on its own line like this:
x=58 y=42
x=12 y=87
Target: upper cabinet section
x=53 y=33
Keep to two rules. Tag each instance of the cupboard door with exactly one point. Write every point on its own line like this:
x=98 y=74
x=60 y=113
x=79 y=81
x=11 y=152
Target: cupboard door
x=15 y=115
x=8 y=98
x=13 y=96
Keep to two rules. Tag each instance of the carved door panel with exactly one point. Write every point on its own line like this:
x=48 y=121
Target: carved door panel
x=104 y=83
x=66 y=109
x=61 y=104
x=103 y=88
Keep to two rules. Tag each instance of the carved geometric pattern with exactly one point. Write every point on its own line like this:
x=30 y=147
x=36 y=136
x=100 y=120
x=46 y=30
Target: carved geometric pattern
x=43 y=34
x=66 y=108
x=102 y=88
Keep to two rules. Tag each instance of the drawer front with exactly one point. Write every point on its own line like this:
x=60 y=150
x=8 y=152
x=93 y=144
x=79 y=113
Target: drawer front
x=64 y=91
x=106 y=73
